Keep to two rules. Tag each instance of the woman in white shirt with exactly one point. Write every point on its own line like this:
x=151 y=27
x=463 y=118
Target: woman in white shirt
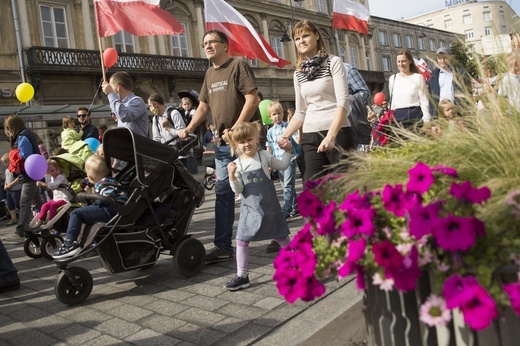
x=408 y=92
x=321 y=99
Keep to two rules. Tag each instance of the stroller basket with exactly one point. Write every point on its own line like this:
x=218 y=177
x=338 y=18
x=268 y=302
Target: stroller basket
x=124 y=251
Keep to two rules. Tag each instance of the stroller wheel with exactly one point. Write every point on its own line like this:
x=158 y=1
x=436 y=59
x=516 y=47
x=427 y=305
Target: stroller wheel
x=189 y=257
x=31 y=247
x=72 y=294
x=50 y=244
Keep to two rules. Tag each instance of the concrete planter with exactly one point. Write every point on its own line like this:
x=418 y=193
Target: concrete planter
x=393 y=320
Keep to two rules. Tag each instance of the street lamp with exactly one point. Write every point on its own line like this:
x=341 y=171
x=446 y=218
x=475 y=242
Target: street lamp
x=286 y=38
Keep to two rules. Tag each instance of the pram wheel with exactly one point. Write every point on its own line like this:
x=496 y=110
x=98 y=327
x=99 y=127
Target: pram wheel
x=31 y=247
x=50 y=244
x=189 y=257
x=72 y=294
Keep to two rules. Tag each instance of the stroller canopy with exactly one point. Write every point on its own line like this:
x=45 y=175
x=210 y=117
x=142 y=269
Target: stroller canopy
x=152 y=162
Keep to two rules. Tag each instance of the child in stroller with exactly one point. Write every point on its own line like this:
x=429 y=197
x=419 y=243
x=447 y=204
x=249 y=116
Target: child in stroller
x=59 y=199
x=98 y=174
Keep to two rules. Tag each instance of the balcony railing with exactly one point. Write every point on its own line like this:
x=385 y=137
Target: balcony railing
x=71 y=61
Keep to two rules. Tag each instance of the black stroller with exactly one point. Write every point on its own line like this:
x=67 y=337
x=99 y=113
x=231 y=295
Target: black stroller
x=162 y=197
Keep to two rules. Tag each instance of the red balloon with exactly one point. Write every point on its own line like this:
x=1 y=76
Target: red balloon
x=110 y=57
x=379 y=98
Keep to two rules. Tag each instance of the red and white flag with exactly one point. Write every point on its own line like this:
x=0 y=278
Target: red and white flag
x=137 y=17
x=350 y=15
x=243 y=38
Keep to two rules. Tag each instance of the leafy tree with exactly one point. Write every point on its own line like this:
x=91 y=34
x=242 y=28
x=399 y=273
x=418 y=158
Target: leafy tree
x=462 y=55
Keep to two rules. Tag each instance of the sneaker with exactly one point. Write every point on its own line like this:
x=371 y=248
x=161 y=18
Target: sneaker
x=218 y=254
x=286 y=215
x=237 y=198
x=13 y=239
x=238 y=282
x=294 y=213
x=272 y=247
x=66 y=250
x=12 y=222
x=8 y=286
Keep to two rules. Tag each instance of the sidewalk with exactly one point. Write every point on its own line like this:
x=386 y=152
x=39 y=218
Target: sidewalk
x=157 y=307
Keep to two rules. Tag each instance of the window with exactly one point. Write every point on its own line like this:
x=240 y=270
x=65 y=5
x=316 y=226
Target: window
x=432 y=45
x=383 y=39
x=386 y=63
x=503 y=29
x=54 y=26
x=488 y=31
x=342 y=54
x=448 y=24
x=367 y=59
x=422 y=46
x=467 y=19
x=409 y=42
x=354 y=58
x=487 y=16
x=469 y=34
x=124 y=42
x=397 y=40
x=180 y=43
x=320 y=6
x=442 y=44
x=501 y=15
x=252 y=62
x=277 y=46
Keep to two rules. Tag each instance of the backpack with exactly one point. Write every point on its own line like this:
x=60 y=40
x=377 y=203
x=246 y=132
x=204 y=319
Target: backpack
x=358 y=119
x=169 y=116
x=16 y=164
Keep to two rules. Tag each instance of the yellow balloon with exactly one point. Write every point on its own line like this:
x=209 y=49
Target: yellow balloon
x=24 y=92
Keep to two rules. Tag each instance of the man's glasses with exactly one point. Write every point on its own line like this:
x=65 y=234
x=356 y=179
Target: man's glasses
x=82 y=115
x=203 y=45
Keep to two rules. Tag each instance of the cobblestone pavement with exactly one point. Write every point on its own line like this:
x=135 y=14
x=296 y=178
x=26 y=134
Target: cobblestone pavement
x=158 y=307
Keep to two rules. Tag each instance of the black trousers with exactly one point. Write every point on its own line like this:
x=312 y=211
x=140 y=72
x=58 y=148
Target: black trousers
x=318 y=164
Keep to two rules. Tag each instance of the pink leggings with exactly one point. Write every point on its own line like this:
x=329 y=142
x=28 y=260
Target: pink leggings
x=52 y=207
x=243 y=254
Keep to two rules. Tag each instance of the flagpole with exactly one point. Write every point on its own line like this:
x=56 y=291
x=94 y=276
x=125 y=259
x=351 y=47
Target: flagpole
x=103 y=71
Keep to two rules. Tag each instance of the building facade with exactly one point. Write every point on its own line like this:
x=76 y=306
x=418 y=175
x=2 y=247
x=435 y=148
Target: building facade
x=476 y=20
x=53 y=45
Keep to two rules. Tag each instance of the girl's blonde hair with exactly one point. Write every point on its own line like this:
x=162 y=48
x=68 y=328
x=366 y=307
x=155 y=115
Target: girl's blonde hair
x=242 y=132
x=65 y=122
x=300 y=27
x=55 y=164
x=273 y=107
x=5 y=157
x=443 y=105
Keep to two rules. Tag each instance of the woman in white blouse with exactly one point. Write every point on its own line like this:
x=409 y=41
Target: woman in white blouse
x=408 y=92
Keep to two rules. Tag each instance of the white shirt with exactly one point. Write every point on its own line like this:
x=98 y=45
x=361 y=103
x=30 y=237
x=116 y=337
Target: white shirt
x=509 y=87
x=446 y=85
x=409 y=91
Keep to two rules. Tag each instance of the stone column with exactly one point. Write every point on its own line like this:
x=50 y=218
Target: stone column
x=90 y=34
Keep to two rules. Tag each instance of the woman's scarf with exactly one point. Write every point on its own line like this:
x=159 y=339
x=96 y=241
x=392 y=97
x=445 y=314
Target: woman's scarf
x=311 y=66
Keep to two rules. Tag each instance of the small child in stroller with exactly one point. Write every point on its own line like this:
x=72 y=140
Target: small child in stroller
x=59 y=198
x=98 y=174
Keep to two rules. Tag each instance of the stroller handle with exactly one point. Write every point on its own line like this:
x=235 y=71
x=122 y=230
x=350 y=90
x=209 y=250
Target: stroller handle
x=92 y=197
x=184 y=144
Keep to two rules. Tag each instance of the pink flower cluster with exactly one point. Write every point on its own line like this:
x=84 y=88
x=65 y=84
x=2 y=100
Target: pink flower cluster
x=391 y=235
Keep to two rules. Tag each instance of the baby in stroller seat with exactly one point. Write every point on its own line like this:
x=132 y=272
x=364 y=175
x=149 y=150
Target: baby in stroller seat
x=98 y=174
x=49 y=210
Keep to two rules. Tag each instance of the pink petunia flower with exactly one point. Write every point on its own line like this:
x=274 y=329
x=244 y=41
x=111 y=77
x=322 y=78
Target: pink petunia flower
x=407 y=272
x=467 y=192
x=326 y=222
x=421 y=178
x=434 y=312
x=394 y=199
x=480 y=310
x=457 y=290
x=422 y=218
x=309 y=205
x=513 y=291
x=359 y=221
x=446 y=171
x=355 y=250
x=360 y=277
x=386 y=255
x=454 y=233
x=355 y=201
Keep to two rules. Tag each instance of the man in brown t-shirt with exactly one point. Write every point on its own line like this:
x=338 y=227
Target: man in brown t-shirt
x=229 y=92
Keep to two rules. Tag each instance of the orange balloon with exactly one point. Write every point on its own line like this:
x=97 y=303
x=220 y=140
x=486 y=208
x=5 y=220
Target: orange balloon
x=110 y=57
x=379 y=98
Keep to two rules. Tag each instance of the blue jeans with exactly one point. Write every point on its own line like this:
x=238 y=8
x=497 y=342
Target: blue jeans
x=225 y=200
x=29 y=195
x=88 y=215
x=7 y=270
x=288 y=180
x=13 y=199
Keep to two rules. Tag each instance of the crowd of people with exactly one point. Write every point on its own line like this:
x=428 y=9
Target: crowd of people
x=331 y=103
